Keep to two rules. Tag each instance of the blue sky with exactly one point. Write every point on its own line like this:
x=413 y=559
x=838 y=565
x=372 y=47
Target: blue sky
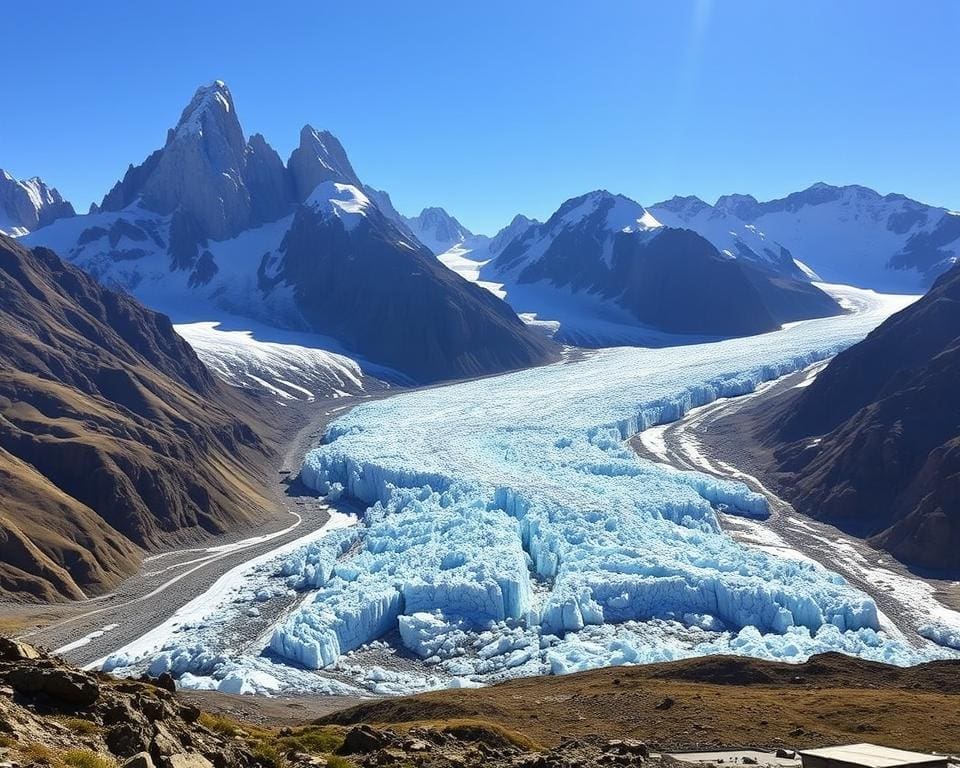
x=493 y=108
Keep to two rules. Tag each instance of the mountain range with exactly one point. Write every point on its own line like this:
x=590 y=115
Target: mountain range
x=213 y=223
x=839 y=234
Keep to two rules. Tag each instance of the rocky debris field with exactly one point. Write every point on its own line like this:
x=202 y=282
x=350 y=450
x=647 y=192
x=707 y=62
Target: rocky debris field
x=57 y=716
x=466 y=743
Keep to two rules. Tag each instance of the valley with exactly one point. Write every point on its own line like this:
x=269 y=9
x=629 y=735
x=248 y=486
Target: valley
x=216 y=625
x=523 y=385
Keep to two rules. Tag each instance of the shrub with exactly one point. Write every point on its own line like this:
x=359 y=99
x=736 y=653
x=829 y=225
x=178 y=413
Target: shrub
x=314 y=739
x=80 y=726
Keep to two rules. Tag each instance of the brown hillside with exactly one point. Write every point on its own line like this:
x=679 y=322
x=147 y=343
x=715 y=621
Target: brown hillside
x=113 y=435
x=706 y=703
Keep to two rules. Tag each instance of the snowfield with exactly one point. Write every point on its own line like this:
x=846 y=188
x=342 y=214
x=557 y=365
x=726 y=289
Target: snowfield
x=509 y=531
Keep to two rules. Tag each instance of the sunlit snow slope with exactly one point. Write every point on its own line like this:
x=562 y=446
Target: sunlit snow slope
x=512 y=502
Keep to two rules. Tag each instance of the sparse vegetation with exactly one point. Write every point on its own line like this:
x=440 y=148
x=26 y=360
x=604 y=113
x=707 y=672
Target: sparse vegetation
x=39 y=753
x=270 y=755
x=86 y=758
x=314 y=739
x=80 y=726
x=337 y=761
x=220 y=724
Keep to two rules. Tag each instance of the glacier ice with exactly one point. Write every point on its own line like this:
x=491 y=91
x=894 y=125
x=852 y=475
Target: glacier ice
x=508 y=523
x=949 y=637
x=510 y=532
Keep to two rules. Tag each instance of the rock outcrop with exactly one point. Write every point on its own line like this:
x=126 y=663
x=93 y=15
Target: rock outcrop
x=48 y=709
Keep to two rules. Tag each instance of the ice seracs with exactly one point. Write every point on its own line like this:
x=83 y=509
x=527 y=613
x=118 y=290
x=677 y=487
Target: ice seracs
x=500 y=513
x=509 y=531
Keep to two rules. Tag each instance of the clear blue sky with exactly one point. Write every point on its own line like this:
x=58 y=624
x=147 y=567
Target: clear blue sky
x=492 y=108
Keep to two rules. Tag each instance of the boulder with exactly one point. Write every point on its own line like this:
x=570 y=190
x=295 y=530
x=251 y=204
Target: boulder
x=187 y=760
x=66 y=686
x=128 y=739
x=139 y=760
x=363 y=739
x=14 y=650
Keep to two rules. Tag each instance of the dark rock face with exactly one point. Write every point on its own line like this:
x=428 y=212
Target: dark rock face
x=112 y=433
x=208 y=173
x=887 y=462
x=68 y=686
x=319 y=158
x=271 y=189
x=418 y=317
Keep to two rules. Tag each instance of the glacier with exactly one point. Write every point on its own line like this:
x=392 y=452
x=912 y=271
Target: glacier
x=506 y=530
x=509 y=526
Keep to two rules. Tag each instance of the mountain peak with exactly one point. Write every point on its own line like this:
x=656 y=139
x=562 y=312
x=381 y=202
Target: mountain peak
x=620 y=212
x=209 y=100
x=683 y=205
x=319 y=158
x=343 y=201
x=438 y=230
x=29 y=204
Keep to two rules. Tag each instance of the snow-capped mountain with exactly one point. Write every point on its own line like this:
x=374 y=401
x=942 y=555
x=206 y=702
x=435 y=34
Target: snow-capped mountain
x=440 y=231
x=213 y=223
x=509 y=233
x=731 y=236
x=28 y=205
x=604 y=270
x=854 y=235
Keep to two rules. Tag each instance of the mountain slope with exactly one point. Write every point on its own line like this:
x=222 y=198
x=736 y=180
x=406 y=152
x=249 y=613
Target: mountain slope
x=28 y=205
x=854 y=235
x=440 y=231
x=113 y=436
x=603 y=265
x=874 y=443
x=419 y=317
x=728 y=234
x=214 y=224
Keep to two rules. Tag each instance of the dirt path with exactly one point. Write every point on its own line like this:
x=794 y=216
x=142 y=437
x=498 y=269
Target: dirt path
x=717 y=439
